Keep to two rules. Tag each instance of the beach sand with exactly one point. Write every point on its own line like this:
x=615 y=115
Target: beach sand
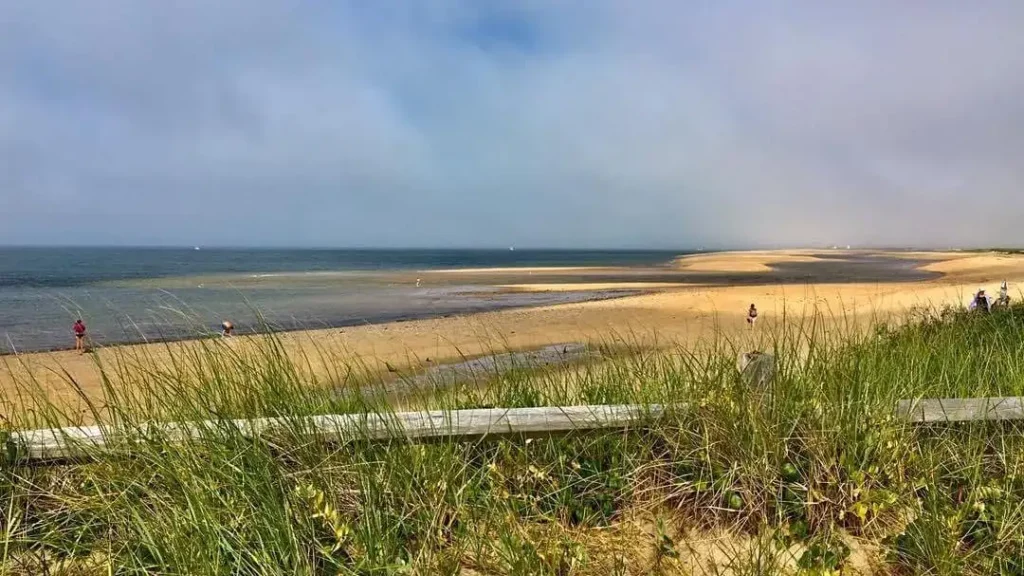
x=668 y=313
x=751 y=261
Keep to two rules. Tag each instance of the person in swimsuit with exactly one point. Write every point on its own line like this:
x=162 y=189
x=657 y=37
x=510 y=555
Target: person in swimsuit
x=79 y=329
x=752 y=315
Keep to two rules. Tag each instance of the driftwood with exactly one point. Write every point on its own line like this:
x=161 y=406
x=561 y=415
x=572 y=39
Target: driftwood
x=62 y=443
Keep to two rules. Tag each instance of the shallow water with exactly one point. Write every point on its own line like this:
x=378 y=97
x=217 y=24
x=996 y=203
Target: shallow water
x=134 y=295
x=482 y=368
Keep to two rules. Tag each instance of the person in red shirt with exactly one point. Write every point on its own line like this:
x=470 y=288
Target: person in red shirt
x=79 y=329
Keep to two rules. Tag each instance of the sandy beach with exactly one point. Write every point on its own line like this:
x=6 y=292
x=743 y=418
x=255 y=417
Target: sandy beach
x=691 y=299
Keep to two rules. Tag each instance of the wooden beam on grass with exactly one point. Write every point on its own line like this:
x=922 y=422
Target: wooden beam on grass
x=64 y=443
x=961 y=409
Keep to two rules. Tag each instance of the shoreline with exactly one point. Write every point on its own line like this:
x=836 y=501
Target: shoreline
x=620 y=282
x=684 y=315
x=587 y=295
x=377 y=298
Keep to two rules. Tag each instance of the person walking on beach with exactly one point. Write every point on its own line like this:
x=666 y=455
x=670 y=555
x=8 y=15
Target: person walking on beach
x=752 y=315
x=79 y=329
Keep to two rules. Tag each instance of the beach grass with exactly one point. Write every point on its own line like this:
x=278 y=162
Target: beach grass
x=813 y=475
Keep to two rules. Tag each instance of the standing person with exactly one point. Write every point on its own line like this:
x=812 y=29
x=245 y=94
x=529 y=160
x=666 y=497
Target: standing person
x=79 y=329
x=752 y=315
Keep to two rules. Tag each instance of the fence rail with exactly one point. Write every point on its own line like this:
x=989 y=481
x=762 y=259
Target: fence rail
x=63 y=443
x=961 y=409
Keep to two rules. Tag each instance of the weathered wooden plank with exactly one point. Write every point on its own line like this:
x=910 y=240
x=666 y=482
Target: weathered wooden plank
x=59 y=443
x=961 y=409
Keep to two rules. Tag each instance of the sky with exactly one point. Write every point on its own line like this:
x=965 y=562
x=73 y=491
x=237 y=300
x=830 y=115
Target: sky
x=534 y=123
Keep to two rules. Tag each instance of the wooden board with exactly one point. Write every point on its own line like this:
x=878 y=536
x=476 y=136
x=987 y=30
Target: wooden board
x=961 y=409
x=61 y=443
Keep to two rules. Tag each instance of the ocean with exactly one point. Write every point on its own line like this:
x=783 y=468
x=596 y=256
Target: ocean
x=148 y=294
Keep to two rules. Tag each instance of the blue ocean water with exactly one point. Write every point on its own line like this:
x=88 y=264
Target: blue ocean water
x=138 y=294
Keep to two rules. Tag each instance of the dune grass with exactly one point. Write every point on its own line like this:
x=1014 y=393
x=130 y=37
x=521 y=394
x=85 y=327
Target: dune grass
x=811 y=476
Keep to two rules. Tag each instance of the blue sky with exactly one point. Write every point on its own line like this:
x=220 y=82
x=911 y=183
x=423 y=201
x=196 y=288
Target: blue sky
x=593 y=123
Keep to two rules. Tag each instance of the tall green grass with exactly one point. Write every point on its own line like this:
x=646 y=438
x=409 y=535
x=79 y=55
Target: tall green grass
x=813 y=475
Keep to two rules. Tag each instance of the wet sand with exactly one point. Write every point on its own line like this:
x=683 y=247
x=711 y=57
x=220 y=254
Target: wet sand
x=680 y=306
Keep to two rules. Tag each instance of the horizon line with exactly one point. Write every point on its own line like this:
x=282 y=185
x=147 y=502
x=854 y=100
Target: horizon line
x=493 y=248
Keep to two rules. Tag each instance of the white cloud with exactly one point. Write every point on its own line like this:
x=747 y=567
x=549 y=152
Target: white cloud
x=539 y=123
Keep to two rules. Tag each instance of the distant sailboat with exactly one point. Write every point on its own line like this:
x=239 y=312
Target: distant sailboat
x=511 y=248
x=197 y=248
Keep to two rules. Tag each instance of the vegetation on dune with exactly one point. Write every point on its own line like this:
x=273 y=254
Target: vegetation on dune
x=813 y=475
x=1008 y=251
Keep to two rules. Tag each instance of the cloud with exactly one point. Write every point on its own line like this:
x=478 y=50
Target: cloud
x=460 y=123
